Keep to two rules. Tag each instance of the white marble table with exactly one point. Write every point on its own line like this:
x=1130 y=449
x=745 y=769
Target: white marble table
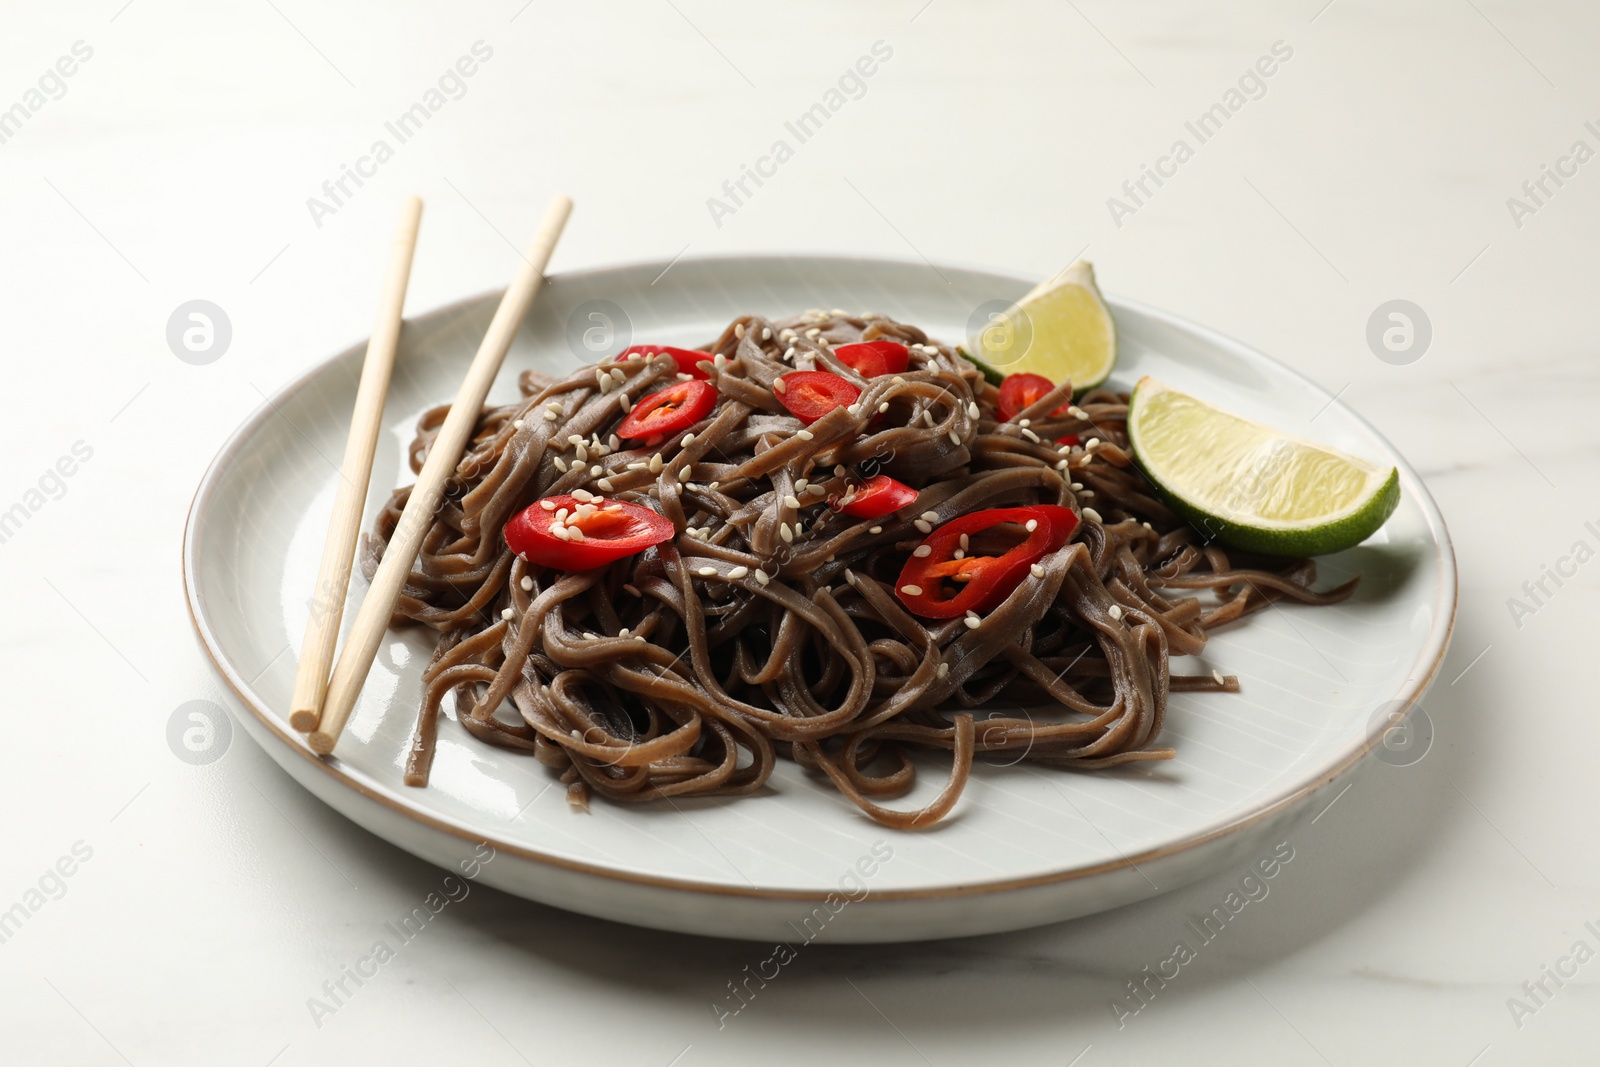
x=206 y=904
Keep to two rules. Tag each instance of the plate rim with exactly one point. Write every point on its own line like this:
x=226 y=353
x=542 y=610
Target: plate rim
x=1420 y=676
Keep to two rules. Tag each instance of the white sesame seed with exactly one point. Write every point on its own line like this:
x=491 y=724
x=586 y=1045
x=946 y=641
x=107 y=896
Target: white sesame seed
x=972 y=622
x=624 y=632
x=959 y=553
x=972 y=409
x=1078 y=413
x=923 y=526
x=575 y=533
x=626 y=403
x=516 y=424
x=617 y=376
x=578 y=465
x=526 y=583
x=738 y=572
x=562 y=513
x=883 y=407
x=1076 y=487
x=708 y=572
x=655 y=463
x=965 y=542
x=1061 y=465
x=738 y=329
x=580 y=453
x=550 y=416
x=683 y=475
x=761 y=576
x=720 y=361
x=1093 y=442
x=1036 y=570
x=930 y=516
x=855 y=409
x=548 y=505
x=605 y=483
x=688 y=439
x=955 y=438
x=1116 y=611
x=507 y=613
x=922 y=551
x=766 y=333
x=640 y=638
x=682 y=377
x=911 y=590
x=927 y=416
x=1092 y=515
x=1031 y=525
x=800 y=485
x=944 y=669
x=1024 y=423
x=792 y=501
x=805 y=435
x=777 y=385
x=875 y=530
x=553 y=405
x=561 y=464
x=1218 y=676
x=587 y=636
x=1030 y=435
x=783 y=532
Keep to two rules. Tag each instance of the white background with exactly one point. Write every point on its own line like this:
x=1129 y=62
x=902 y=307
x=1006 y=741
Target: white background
x=1377 y=166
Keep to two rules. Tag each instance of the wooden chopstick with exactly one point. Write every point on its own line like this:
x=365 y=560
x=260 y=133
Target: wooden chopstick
x=333 y=576
x=372 y=620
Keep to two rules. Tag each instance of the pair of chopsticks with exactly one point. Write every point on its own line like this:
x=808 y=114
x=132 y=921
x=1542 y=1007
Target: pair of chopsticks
x=322 y=704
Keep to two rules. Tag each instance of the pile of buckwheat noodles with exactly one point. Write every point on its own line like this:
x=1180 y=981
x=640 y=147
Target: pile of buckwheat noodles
x=681 y=672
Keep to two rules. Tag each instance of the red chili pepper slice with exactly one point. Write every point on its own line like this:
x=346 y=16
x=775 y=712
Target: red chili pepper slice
x=940 y=585
x=872 y=358
x=878 y=496
x=811 y=394
x=688 y=359
x=677 y=407
x=564 y=533
x=1020 y=391
x=1069 y=440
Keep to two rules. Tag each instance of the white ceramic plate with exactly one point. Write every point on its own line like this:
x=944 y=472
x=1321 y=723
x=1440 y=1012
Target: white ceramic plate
x=1025 y=845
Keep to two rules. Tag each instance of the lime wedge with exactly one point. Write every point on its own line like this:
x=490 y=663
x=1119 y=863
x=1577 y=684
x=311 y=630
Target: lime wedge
x=1251 y=486
x=1061 y=329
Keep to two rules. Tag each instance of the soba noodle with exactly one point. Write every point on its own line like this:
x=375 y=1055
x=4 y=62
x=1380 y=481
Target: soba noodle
x=649 y=678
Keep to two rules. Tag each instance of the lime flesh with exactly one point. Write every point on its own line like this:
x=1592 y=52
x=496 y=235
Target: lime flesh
x=1251 y=486
x=1061 y=329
